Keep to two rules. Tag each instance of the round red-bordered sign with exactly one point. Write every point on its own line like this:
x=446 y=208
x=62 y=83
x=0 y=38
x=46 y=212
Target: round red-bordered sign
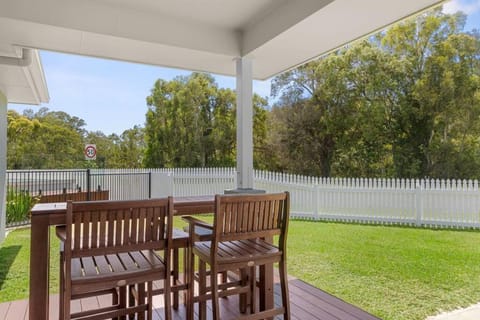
x=90 y=152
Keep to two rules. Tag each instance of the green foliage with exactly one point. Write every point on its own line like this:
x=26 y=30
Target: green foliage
x=19 y=204
x=34 y=140
x=405 y=103
x=55 y=140
x=191 y=123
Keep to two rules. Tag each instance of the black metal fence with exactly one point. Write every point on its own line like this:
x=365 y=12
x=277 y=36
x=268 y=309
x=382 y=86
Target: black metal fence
x=27 y=187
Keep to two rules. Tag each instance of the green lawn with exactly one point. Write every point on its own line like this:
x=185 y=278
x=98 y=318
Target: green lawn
x=15 y=264
x=392 y=272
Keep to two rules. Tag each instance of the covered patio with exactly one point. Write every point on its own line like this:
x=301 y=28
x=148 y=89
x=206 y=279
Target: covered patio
x=255 y=39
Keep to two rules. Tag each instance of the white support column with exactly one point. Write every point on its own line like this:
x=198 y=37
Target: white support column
x=3 y=163
x=244 y=124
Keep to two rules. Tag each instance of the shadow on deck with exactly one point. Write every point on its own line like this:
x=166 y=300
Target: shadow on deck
x=306 y=301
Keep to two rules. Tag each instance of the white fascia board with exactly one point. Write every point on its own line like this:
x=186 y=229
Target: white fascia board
x=36 y=79
x=65 y=40
x=156 y=54
x=24 y=84
x=99 y=18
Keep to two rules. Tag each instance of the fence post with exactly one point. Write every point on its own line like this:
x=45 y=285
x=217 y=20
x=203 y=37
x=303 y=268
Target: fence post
x=88 y=184
x=317 y=202
x=149 y=184
x=418 y=204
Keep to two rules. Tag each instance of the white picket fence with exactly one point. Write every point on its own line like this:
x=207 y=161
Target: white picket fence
x=444 y=203
x=439 y=203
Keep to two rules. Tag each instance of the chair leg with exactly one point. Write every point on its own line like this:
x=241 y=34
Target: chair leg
x=150 y=302
x=141 y=299
x=121 y=299
x=66 y=306
x=224 y=280
x=185 y=275
x=131 y=299
x=61 y=313
x=167 y=298
x=202 y=275
x=116 y=302
x=191 y=284
x=284 y=287
x=214 y=288
x=253 y=289
x=175 y=278
x=243 y=296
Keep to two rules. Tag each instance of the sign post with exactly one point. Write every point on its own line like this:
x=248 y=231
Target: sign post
x=90 y=152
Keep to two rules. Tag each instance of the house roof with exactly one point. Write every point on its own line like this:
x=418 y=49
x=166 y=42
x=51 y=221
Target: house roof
x=202 y=35
x=22 y=84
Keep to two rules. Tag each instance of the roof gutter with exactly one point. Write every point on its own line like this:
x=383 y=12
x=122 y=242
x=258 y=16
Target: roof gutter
x=24 y=61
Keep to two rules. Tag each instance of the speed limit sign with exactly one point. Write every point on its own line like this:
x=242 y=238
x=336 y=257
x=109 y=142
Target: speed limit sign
x=90 y=152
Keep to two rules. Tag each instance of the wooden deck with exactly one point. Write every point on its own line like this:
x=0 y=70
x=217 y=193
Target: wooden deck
x=306 y=301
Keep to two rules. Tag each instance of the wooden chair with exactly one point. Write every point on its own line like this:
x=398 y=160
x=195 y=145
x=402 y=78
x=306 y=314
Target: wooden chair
x=241 y=223
x=111 y=245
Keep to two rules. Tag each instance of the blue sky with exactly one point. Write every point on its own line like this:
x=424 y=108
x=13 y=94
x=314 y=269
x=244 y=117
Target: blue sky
x=110 y=95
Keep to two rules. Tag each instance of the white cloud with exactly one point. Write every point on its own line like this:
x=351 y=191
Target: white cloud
x=467 y=6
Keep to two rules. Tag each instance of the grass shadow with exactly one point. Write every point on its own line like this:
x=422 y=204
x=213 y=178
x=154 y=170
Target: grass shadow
x=7 y=257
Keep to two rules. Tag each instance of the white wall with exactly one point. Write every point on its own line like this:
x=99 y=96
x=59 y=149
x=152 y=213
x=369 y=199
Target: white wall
x=3 y=162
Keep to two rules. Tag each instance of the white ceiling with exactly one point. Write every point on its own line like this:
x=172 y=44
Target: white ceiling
x=235 y=14
x=201 y=35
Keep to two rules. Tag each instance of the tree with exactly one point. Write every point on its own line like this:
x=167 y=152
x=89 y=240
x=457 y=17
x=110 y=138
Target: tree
x=436 y=83
x=43 y=140
x=403 y=103
x=55 y=140
x=191 y=123
x=314 y=112
x=132 y=148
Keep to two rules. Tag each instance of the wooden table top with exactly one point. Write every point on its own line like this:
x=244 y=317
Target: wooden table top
x=182 y=205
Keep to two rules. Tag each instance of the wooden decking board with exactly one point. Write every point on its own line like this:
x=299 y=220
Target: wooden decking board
x=53 y=310
x=4 y=309
x=310 y=301
x=296 y=310
x=307 y=303
x=305 y=310
x=17 y=310
x=89 y=303
x=334 y=301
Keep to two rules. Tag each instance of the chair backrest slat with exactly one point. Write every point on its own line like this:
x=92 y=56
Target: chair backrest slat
x=103 y=228
x=250 y=216
x=77 y=234
x=134 y=233
x=127 y=219
x=95 y=221
x=118 y=214
x=118 y=226
x=110 y=228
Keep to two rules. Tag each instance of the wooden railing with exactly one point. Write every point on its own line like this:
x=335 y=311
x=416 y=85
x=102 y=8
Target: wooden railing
x=74 y=196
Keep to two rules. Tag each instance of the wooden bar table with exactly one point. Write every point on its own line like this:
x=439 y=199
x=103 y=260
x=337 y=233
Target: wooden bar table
x=45 y=215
